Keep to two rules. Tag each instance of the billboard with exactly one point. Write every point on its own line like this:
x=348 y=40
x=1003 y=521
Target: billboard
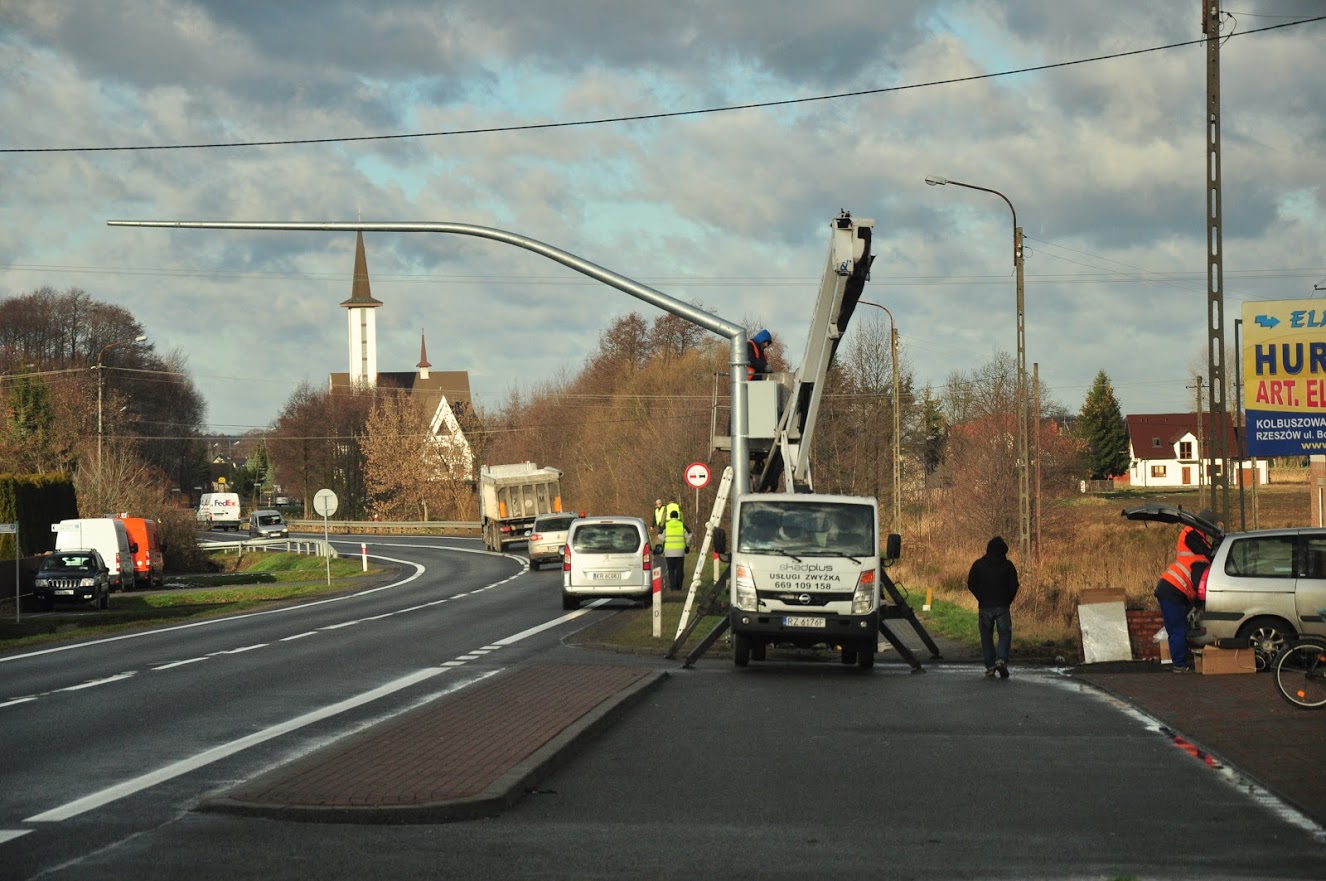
x=1284 y=377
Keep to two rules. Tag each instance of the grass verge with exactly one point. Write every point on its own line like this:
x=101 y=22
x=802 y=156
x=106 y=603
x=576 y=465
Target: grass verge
x=254 y=581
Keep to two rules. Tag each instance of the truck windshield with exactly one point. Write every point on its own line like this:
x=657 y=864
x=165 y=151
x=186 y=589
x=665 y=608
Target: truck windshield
x=807 y=528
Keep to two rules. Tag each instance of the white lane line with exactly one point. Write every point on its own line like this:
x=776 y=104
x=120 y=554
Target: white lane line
x=242 y=650
x=419 y=570
x=525 y=634
x=180 y=663
x=11 y=834
x=18 y=700
x=207 y=757
x=469 y=657
x=299 y=635
x=93 y=683
x=339 y=626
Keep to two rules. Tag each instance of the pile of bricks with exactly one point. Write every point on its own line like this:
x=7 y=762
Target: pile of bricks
x=1142 y=626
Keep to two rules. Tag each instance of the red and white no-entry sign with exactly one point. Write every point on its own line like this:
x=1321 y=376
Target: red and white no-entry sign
x=697 y=474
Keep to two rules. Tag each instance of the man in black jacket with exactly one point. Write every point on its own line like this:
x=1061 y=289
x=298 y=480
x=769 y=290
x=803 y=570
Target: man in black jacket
x=993 y=580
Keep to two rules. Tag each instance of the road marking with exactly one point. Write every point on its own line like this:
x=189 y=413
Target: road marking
x=300 y=635
x=339 y=626
x=548 y=625
x=93 y=683
x=18 y=700
x=11 y=834
x=240 y=651
x=180 y=663
x=215 y=754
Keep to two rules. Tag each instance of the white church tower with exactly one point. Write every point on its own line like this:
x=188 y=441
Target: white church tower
x=363 y=323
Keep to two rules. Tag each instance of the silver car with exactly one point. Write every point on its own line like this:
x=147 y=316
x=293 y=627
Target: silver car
x=268 y=524
x=1263 y=588
x=606 y=557
x=547 y=537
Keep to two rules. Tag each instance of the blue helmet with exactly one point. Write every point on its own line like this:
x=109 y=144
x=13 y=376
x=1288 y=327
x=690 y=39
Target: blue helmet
x=763 y=338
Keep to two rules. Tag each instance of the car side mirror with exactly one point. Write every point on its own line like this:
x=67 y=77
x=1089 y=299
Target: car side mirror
x=720 y=540
x=133 y=547
x=892 y=549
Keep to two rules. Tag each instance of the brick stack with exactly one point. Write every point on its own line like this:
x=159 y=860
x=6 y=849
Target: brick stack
x=1142 y=626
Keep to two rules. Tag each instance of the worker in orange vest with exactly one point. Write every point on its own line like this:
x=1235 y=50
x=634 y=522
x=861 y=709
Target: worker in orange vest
x=1177 y=589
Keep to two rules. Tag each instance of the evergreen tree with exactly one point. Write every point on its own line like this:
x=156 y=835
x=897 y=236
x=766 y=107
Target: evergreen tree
x=1101 y=427
x=936 y=431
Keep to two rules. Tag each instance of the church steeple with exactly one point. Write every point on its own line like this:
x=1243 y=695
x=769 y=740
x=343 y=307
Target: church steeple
x=362 y=322
x=423 y=364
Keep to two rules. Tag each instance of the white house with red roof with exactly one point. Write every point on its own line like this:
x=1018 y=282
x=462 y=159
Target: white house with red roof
x=1175 y=449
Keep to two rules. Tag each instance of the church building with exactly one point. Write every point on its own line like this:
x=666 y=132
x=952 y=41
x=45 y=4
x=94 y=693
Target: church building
x=444 y=394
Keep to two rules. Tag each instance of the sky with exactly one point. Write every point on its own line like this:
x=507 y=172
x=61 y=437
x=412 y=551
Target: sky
x=465 y=112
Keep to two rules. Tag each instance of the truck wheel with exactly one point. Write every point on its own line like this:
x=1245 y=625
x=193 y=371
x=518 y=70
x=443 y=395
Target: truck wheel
x=534 y=565
x=865 y=658
x=848 y=657
x=570 y=602
x=740 y=649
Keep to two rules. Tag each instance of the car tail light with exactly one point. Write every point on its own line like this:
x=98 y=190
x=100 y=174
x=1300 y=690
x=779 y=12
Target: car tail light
x=534 y=536
x=566 y=558
x=648 y=557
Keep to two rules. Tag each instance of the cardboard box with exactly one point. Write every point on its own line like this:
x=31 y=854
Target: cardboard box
x=1213 y=660
x=1101 y=595
x=1163 y=645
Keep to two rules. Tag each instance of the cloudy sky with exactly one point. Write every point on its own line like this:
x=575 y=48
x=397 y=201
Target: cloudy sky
x=1103 y=160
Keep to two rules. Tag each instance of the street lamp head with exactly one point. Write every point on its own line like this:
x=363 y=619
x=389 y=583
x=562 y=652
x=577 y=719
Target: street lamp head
x=935 y=180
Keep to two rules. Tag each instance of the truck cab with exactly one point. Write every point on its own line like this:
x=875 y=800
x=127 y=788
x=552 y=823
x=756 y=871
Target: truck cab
x=805 y=572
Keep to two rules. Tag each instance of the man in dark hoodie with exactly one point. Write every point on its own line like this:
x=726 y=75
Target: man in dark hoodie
x=993 y=580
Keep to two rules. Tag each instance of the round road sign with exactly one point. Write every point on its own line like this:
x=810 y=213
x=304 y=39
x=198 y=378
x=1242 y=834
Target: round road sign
x=697 y=474
x=324 y=502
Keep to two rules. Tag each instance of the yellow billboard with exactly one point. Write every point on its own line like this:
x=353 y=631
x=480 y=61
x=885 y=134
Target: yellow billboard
x=1284 y=377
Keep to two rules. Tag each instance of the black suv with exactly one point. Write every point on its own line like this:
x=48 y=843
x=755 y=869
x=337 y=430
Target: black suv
x=73 y=575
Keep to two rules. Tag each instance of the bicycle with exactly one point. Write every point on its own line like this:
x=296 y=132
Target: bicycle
x=1300 y=672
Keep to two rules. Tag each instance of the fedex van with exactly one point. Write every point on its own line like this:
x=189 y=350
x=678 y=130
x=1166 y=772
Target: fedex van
x=219 y=510
x=108 y=537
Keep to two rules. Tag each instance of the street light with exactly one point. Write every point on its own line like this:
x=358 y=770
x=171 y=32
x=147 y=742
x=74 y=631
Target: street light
x=897 y=420
x=1024 y=488
x=100 y=384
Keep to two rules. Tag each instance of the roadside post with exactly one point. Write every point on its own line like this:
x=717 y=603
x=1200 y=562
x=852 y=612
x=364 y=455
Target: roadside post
x=656 y=588
x=12 y=528
x=363 y=554
x=324 y=503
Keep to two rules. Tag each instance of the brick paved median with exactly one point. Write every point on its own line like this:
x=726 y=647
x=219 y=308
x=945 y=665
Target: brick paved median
x=464 y=756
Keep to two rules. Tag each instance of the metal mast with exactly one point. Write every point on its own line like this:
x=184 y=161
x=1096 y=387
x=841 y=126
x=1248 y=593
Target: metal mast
x=1215 y=287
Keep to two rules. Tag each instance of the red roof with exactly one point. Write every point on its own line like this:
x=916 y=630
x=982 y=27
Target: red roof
x=1153 y=435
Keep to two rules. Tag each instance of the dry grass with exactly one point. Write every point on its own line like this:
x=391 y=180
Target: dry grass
x=1085 y=544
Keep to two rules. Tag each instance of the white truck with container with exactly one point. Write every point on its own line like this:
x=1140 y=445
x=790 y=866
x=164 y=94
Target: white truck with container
x=511 y=496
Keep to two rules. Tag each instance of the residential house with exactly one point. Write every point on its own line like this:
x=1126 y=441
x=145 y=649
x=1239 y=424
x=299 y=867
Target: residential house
x=1174 y=449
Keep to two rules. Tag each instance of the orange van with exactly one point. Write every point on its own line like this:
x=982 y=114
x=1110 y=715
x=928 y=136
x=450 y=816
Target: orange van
x=148 y=562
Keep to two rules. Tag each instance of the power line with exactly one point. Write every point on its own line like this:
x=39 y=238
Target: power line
x=543 y=126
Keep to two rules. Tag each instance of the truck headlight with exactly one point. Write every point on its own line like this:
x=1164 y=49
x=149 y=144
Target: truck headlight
x=743 y=594
x=865 y=597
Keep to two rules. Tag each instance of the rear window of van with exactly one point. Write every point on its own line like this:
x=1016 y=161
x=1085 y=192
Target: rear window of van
x=606 y=538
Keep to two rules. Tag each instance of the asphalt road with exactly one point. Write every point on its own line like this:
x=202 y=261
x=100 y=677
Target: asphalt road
x=782 y=770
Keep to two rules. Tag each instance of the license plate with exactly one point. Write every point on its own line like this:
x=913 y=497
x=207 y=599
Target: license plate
x=64 y=593
x=802 y=621
x=605 y=576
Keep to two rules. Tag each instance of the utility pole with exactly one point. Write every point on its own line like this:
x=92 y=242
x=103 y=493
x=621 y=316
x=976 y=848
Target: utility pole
x=1036 y=426
x=1215 y=293
x=1201 y=443
x=897 y=418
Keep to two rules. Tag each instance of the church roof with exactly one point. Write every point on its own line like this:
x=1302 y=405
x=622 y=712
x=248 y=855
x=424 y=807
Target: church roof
x=360 y=293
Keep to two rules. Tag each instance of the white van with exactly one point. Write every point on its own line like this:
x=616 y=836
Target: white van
x=108 y=537
x=606 y=557
x=219 y=510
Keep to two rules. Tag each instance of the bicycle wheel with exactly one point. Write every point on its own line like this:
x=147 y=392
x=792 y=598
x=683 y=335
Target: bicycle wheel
x=1300 y=673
